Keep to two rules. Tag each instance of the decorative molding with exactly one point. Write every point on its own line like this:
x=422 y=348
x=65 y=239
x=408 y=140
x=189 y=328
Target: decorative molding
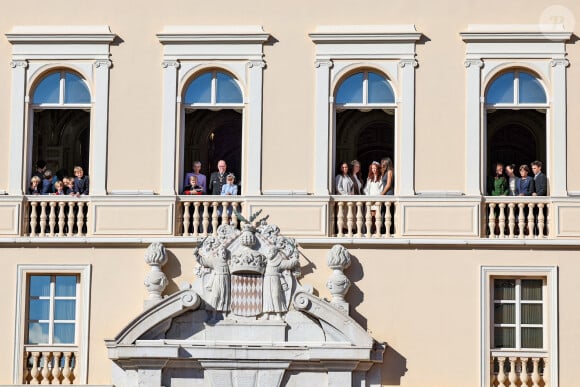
x=366 y=33
x=103 y=62
x=488 y=33
x=473 y=62
x=256 y=63
x=559 y=62
x=323 y=63
x=19 y=63
x=204 y=34
x=61 y=34
x=410 y=62
x=156 y=280
x=170 y=63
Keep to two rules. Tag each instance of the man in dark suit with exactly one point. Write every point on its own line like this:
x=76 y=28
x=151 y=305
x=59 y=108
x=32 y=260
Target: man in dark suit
x=217 y=179
x=540 y=180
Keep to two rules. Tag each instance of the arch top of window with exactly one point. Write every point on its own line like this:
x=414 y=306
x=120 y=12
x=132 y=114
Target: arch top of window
x=213 y=88
x=365 y=88
x=61 y=88
x=516 y=87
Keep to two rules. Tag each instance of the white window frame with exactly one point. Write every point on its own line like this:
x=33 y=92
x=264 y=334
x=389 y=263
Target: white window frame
x=35 y=51
x=83 y=307
x=550 y=323
x=389 y=49
x=489 y=50
x=188 y=50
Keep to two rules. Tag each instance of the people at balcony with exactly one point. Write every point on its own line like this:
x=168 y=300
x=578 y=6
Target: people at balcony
x=387 y=176
x=48 y=182
x=512 y=180
x=343 y=183
x=81 y=182
x=201 y=178
x=40 y=169
x=356 y=177
x=59 y=188
x=525 y=184
x=497 y=185
x=68 y=185
x=193 y=187
x=35 y=187
x=374 y=185
x=218 y=179
x=540 y=180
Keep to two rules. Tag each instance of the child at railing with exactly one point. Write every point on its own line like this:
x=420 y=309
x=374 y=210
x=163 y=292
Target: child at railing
x=81 y=182
x=193 y=188
x=68 y=185
x=59 y=188
x=229 y=189
x=48 y=182
x=35 y=186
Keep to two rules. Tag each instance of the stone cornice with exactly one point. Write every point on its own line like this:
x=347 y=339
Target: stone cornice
x=515 y=33
x=213 y=34
x=60 y=34
x=365 y=33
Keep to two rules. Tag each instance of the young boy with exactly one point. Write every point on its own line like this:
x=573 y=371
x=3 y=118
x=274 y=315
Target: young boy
x=81 y=182
x=48 y=183
x=35 y=186
x=193 y=188
x=59 y=188
x=68 y=185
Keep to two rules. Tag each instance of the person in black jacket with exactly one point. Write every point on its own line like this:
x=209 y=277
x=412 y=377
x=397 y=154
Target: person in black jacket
x=218 y=179
x=540 y=180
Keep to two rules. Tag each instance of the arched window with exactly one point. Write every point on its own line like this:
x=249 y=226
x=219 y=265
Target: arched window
x=365 y=119
x=213 y=106
x=61 y=105
x=516 y=106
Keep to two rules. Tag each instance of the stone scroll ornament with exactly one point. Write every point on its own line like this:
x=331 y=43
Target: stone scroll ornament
x=249 y=273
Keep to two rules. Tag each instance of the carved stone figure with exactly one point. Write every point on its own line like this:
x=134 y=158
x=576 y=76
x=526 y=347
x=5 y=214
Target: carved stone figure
x=274 y=300
x=218 y=286
x=338 y=283
x=156 y=280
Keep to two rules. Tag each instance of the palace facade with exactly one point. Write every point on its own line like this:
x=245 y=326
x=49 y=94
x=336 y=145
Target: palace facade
x=449 y=285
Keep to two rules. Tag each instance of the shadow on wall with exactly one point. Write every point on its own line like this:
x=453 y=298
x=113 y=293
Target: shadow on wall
x=393 y=368
x=172 y=270
x=355 y=296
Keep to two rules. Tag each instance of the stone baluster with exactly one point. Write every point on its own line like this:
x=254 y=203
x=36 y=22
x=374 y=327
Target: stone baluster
x=501 y=222
x=33 y=218
x=541 y=223
x=530 y=220
x=359 y=219
x=396 y=219
x=196 y=218
x=349 y=218
x=71 y=218
x=536 y=378
x=61 y=218
x=66 y=369
x=369 y=219
x=511 y=220
x=338 y=259
x=548 y=219
x=205 y=221
x=491 y=223
x=512 y=375
x=340 y=219
x=521 y=220
x=234 y=221
x=388 y=219
x=52 y=218
x=27 y=213
x=546 y=377
x=25 y=370
x=80 y=219
x=214 y=218
x=225 y=216
x=185 y=217
x=501 y=376
x=492 y=376
x=378 y=219
x=34 y=370
x=42 y=219
x=524 y=376
x=156 y=280
x=46 y=356
x=56 y=370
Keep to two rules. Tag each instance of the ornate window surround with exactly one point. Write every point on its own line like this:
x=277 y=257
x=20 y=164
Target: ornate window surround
x=191 y=49
x=36 y=50
x=84 y=273
x=387 y=48
x=493 y=48
x=550 y=273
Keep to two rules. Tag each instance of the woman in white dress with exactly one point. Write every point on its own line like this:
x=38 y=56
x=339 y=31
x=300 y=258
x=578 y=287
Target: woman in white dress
x=343 y=182
x=374 y=187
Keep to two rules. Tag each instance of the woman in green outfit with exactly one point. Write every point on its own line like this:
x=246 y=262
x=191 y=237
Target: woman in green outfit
x=498 y=185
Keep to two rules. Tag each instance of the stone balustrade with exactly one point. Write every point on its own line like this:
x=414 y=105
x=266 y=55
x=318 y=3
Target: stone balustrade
x=55 y=216
x=50 y=365
x=201 y=215
x=511 y=369
x=363 y=216
x=516 y=217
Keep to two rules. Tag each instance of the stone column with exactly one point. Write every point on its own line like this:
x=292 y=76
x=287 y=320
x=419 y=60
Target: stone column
x=169 y=127
x=100 y=127
x=17 y=128
x=557 y=184
x=406 y=154
x=323 y=131
x=253 y=156
x=473 y=168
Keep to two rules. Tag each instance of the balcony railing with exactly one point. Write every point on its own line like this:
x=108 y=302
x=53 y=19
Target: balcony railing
x=201 y=215
x=55 y=216
x=50 y=365
x=363 y=216
x=513 y=369
x=522 y=217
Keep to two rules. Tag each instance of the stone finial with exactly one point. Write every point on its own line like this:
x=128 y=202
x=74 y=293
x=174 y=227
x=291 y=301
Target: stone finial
x=338 y=283
x=156 y=280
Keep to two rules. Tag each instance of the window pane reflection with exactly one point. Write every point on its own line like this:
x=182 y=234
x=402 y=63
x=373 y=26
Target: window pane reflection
x=505 y=313
x=532 y=338
x=66 y=285
x=39 y=310
x=351 y=90
x=40 y=286
x=501 y=90
x=504 y=337
x=504 y=289
x=227 y=90
x=64 y=309
x=531 y=90
x=48 y=90
x=38 y=333
x=76 y=90
x=64 y=333
x=379 y=89
x=199 y=91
